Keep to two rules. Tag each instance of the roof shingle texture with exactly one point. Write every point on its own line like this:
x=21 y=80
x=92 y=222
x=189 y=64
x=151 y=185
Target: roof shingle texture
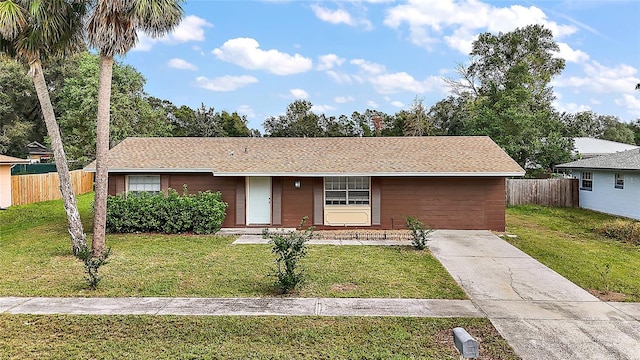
x=389 y=155
x=4 y=159
x=625 y=160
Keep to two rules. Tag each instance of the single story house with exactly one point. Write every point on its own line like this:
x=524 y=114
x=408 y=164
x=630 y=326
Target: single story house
x=6 y=162
x=447 y=182
x=38 y=152
x=586 y=147
x=609 y=183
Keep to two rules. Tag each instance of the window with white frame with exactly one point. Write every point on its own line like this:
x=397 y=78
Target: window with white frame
x=619 y=181
x=144 y=183
x=346 y=190
x=586 y=181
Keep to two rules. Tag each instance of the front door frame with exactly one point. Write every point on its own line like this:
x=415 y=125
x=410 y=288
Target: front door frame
x=258 y=205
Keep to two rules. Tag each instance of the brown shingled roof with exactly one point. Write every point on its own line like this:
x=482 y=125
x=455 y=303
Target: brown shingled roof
x=390 y=156
x=4 y=159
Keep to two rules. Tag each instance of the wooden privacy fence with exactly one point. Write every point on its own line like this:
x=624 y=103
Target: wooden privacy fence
x=27 y=189
x=548 y=192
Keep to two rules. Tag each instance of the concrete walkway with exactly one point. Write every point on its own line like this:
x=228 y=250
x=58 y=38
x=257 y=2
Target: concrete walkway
x=250 y=239
x=540 y=313
x=240 y=306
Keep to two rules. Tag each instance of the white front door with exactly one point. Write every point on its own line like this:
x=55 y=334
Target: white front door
x=259 y=201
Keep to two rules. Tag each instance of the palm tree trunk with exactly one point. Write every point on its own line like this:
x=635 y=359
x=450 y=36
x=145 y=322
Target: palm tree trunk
x=78 y=238
x=102 y=148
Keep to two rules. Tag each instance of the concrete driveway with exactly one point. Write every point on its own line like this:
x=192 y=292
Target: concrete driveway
x=540 y=313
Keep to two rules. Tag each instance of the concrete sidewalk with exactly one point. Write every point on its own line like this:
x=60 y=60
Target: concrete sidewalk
x=540 y=313
x=241 y=306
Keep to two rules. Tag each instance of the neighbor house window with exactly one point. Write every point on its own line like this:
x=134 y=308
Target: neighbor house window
x=144 y=183
x=586 y=181
x=346 y=190
x=619 y=181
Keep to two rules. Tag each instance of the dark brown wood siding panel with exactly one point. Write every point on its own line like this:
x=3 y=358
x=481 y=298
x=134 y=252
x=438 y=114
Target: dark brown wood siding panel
x=164 y=183
x=297 y=203
x=444 y=203
x=116 y=184
x=318 y=201
x=276 y=201
x=375 y=201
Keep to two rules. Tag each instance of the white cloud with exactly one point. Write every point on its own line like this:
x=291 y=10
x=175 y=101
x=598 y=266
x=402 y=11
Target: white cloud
x=329 y=61
x=567 y=53
x=322 y=108
x=246 y=110
x=225 y=83
x=401 y=81
x=601 y=79
x=299 y=93
x=190 y=29
x=458 y=21
x=343 y=99
x=397 y=104
x=570 y=107
x=372 y=104
x=246 y=52
x=632 y=103
x=181 y=64
x=340 y=16
x=340 y=78
x=367 y=66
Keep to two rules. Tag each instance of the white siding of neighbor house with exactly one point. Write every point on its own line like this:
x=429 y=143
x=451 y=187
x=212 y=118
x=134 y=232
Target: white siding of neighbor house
x=604 y=196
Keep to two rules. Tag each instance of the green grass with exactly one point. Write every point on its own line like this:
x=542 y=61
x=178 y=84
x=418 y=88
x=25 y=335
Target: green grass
x=175 y=337
x=36 y=260
x=564 y=240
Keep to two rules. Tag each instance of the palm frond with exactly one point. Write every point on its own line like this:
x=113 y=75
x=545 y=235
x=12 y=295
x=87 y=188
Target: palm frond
x=13 y=19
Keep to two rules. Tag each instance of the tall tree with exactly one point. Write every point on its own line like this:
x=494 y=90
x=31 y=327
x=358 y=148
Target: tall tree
x=298 y=121
x=417 y=123
x=131 y=111
x=112 y=29
x=509 y=97
x=29 y=32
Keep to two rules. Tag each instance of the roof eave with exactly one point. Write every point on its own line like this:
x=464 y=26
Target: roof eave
x=319 y=174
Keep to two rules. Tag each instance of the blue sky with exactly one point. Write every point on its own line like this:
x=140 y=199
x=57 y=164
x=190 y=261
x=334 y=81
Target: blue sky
x=256 y=57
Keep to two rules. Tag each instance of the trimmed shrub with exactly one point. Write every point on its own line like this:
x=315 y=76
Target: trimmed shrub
x=289 y=248
x=200 y=213
x=621 y=230
x=419 y=233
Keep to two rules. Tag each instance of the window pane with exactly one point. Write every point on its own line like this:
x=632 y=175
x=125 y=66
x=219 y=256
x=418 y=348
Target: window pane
x=148 y=183
x=336 y=197
x=358 y=197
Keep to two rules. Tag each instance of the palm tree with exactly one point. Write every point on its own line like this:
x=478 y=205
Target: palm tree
x=112 y=29
x=29 y=32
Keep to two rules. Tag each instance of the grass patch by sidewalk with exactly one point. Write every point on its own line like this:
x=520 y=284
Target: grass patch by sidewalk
x=36 y=260
x=564 y=239
x=175 y=337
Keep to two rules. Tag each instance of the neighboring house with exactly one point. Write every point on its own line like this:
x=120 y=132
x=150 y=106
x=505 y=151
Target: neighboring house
x=447 y=182
x=38 y=152
x=6 y=162
x=585 y=147
x=609 y=183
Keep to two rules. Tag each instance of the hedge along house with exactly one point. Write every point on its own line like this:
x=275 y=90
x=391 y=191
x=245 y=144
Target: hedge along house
x=447 y=182
x=609 y=183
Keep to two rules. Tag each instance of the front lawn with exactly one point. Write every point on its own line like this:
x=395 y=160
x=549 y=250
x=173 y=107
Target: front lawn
x=564 y=240
x=179 y=337
x=36 y=260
